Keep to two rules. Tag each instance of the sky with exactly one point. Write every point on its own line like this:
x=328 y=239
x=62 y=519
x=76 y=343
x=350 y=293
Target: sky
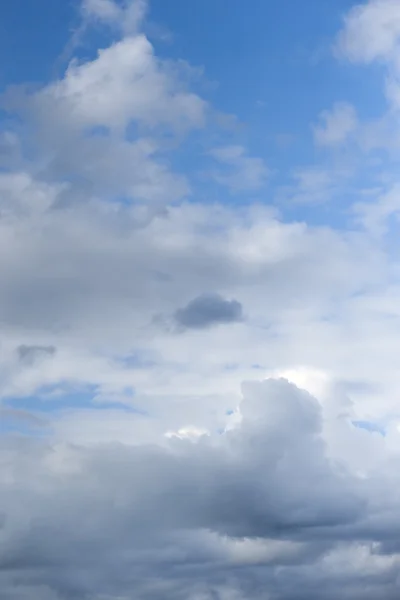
x=199 y=300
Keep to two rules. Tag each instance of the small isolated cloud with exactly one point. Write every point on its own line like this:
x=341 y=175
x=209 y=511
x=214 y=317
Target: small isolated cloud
x=208 y=310
x=240 y=172
x=336 y=125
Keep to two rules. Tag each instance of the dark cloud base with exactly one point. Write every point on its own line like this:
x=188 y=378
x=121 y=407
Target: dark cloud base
x=259 y=512
x=208 y=310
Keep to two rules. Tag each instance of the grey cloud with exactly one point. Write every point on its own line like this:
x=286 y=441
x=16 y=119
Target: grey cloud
x=208 y=310
x=21 y=416
x=86 y=269
x=260 y=512
x=30 y=354
x=173 y=521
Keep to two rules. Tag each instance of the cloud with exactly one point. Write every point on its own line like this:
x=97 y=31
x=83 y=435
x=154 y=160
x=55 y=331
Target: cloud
x=29 y=354
x=336 y=125
x=128 y=16
x=134 y=85
x=82 y=125
x=263 y=495
x=371 y=34
x=371 y=31
x=208 y=310
x=375 y=215
x=106 y=10
x=219 y=514
x=243 y=173
x=312 y=185
x=137 y=463
x=88 y=280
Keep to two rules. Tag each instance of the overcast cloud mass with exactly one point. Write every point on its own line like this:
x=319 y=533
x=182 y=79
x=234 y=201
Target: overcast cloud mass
x=200 y=301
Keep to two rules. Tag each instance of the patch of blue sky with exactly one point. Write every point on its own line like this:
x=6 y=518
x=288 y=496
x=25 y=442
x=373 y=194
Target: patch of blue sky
x=140 y=359
x=54 y=399
x=299 y=79
x=231 y=367
x=98 y=131
x=370 y=426
x=18 y=421
x=33 y=35
x=286 y=79
x=277 y=59
x=10 y=426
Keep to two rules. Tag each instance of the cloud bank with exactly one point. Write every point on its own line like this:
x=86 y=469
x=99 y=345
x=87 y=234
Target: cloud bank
x=248 y=449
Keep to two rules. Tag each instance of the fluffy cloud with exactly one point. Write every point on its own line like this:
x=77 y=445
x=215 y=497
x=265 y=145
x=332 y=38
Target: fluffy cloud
x=126 y=82
x=371 y=31
x=134 y=462
x=80 y=126
x=233 y=512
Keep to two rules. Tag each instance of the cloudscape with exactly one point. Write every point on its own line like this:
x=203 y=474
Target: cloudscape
x=200 y=300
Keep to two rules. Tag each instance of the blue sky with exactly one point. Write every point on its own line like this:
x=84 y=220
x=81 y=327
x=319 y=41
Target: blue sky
x=254 y=63
x=199 y=299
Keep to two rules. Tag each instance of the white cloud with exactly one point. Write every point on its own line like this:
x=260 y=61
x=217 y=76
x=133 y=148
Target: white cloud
x=125 y=83
x=127 y=15
x=376 y=213
x=243 y=173
x=152 y=466
x=371 y=31
x=83 y=124
x=106 y=10
x=336 y=125
x=312 y=185
x=216 y=503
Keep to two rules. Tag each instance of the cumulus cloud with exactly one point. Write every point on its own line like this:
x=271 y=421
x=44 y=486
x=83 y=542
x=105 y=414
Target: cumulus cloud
x=82 y=123
x=371 y=31
x=143 y=467
x=134 y=85
x=265 y=494
x=371 y=34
